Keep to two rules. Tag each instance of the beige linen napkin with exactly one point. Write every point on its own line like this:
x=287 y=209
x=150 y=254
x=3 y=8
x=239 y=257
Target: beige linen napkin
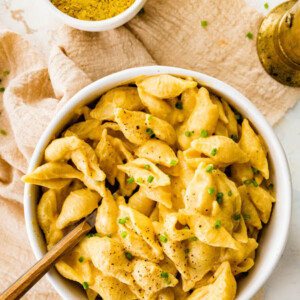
x=169 y=33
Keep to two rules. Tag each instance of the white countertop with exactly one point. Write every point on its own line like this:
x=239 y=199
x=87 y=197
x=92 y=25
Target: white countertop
x=31 y=20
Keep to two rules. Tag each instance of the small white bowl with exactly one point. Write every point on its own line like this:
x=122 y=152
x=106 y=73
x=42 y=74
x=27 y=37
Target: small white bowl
x=103 y=25
x=274 y=235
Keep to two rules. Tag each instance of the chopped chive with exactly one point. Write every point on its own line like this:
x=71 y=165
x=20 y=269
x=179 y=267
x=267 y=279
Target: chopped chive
x=173 y=162
x=150 y=178
x=90 y=235
x=247 y=182
x=204 y=133
x=147 y=167
x=3 y=132
x=255 y=171
x=203 y=23
x=255 y=183
x=85 y=285
x=108 y=235
x=163 y=239
x=237 y=217
x=169 y=176
x=218 y=224
x=2 y=90
x=123 y=234
x=211 y=190
x=140 y=180
x=149 y=131
x=193 y=239
x=142 y=11
x=5 y=73
x=229 y=193
x=123 y=221
x=209 y=168
x=186 y=251
x=128 y=255
x=81 y=259
x=168 y=281
x=188 y=134
x=150 y=117
x=220 y=198
x=214 y=152
x=130 y=180
x=186 y=227
x=234 y=137
x=164 y=275
x=266 y=5
x=270 y=186
x=179 y=105
x=247 y=217
x=249 y=35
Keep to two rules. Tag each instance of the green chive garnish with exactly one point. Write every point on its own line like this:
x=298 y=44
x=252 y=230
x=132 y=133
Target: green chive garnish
x=203 y=23
x=230 y=193
x=150 y=178
x=214 y=152
x=247 y=182
x=270 y=186
x=188 y=134
x=211 y=190
x=186 y=251
x=130 y=180
x=204 y=133
x=142 y=11
x=128 y=255
x=220 y=198
x=193 y=239
x=123 y=234
x=168 y=281
x=249 y=35
x=234 y=137
x=247 y=217
x=80 y=259
x=218 y=224
x=123 y=221
x=163 y=239
x=149 y=131
x=90 y=235
x=108 y=235
x=150 y=117
x=185 y=227
x=179 y=105
x=3 y=132
x=209 y=168
x=147 y=167
x=5 y=73
x=237 y=217
x=164 y=275
x=140 y=180
x=85 y=285
x=173 y=162
x=266 y=5
x=255 y=183
x=254 y=170
x=2 y=90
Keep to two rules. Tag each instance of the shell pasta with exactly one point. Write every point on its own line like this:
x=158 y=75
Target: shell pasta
x=181 y=184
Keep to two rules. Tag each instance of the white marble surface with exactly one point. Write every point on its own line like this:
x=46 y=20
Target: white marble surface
x=31 y=20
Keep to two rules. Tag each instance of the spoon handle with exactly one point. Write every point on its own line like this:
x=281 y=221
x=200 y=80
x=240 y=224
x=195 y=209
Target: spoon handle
x=33 y=275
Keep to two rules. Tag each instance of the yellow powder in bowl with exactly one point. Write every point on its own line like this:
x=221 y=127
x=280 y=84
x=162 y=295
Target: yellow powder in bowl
x=92 y=10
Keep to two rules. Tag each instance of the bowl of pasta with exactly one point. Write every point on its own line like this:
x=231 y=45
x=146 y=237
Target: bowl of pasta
x=191 y=186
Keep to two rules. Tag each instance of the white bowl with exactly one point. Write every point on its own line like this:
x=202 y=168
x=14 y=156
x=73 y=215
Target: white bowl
x=103 y=25
x=274 y=235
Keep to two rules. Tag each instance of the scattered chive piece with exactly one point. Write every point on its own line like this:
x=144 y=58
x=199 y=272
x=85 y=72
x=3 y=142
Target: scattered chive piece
x=237 y=217
x=150 y=178
x=169 y=176
x=220 y=198
x=150 y=117
x=247 y=182
x=209 y=168
x=149 y=131
x=211 y=190
x=123 y=234
x=140 y=180
x=142 y=11
x=255 y=183
x=85 y=285
x=230 y=193
x=3 y=132
x=218 y=224
x=147 y=167
x=173 y=162
x=164 y=275
x=123 y=221
x=249 y=35
x=2 y=90
x=234 y=137
x=90 y=235
x=186 y=227
x=266 y=5
x=179 y=105
x=128 y=255
x=203 y=23
x=5 y=73
x=255 y=171
x=270 y=186
x=204 y=133
x=130 y=180
x=186 y=251
x=108 y=235
x=214 y=152
x=168 y=281
x=193 y=239
x=247 y=217
x=80 y=259
x=163 y=239
x=188 y=134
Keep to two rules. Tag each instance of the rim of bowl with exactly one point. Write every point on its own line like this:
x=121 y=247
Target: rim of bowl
x=239 y=101
x=100 y=25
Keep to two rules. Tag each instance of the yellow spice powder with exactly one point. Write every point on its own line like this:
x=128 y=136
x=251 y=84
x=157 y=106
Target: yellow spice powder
x=92 y=10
